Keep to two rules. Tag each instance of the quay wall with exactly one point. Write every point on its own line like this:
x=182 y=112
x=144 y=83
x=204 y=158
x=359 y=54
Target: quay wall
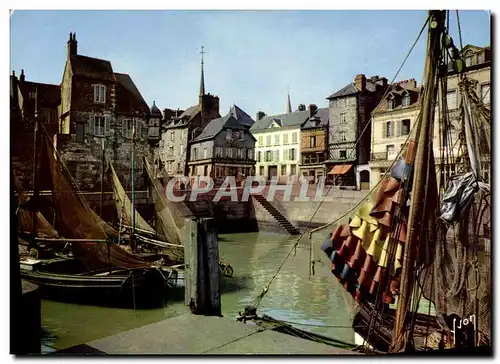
x=237 y=216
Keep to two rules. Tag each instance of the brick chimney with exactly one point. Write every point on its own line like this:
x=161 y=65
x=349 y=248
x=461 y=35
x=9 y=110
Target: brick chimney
x=22 y=77
x=312 y=110
x=260 y=115
x=411 y=83
x=382 y=82
x=302 y=107
x=360 y=82
x=72 y=45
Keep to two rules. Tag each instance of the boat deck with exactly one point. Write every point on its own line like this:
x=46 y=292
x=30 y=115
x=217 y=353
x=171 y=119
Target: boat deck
x=210 y=335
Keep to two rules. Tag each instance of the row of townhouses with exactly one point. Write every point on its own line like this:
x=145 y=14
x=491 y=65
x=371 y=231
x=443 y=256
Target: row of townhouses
x=352 y=140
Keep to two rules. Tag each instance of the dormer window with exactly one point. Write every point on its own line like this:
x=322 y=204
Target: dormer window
x=100 y=94
x=390 y=104
x=406 y=101
x=468 y=59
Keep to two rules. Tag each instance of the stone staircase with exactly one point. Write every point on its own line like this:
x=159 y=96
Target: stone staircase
x=278 y=216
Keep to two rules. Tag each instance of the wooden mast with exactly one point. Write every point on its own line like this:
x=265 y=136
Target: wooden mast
x=133 y=185
x=102 y=175
x=424 y=154
x=34 y=196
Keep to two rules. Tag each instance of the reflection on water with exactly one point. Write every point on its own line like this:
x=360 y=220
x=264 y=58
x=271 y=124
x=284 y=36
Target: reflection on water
x=318 y=303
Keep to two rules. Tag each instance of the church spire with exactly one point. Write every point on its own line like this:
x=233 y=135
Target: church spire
x=202 y=81
x=288 y=103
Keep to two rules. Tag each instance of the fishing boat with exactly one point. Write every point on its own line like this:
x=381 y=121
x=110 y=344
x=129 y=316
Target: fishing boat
x=95 y=263
x=167 y=239
x=64 y=278
x=419 y=236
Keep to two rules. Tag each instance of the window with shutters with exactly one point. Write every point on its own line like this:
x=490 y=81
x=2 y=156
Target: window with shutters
x=451 y=99
x=259 y=156
x=388 y=129
x=405 y=126
x=285 y=139
x=80 y=132
x=268 y=141
x=261 y=142
x=276 y=140
x=99 y=125
x=390 y=151
x=292 y=154
x=480 y=58
x=127 y=128
x=276 y=155
x=294 y=137
x=138 y=129
x=268 y=156
x=485 y=93
x=406 y=101
x=99 y=94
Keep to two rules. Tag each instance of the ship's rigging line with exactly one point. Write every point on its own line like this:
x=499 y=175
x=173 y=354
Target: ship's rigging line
x=259 y=298
x=72 y=180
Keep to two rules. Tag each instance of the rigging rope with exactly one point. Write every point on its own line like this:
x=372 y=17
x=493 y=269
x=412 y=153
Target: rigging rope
x=259 y=298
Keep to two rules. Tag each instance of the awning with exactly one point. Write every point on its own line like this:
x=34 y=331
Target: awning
x=340 y=169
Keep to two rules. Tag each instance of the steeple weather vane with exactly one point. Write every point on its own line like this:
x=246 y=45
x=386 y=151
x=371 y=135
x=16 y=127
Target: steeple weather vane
x=202 y=82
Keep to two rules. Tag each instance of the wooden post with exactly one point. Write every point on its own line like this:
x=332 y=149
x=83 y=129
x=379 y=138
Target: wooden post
x=202 y=277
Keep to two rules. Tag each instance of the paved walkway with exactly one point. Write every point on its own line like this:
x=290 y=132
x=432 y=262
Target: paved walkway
x=191 y=334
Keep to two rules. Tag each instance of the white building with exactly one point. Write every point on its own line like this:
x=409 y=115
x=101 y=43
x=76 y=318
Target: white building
x=277 y=150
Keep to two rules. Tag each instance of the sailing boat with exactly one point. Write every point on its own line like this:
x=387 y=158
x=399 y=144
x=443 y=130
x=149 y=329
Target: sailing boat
x=100 y=267
x=144 y=233
x=399 y=248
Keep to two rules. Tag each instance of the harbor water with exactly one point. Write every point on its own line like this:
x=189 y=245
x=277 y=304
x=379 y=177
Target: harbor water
x=313 y=302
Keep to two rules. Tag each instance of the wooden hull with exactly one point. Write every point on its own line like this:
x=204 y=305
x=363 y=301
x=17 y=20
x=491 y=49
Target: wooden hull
x=376 y=332
x=59 y=279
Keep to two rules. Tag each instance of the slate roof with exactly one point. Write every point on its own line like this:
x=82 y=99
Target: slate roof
x=351 y=89
x=241 y=116
x=348 y=90
x=155 y=111
x=92 y=67
x=215 y=126
x=323 y=114
x=295 y=118
x=128 y=97
x=49 y=96
x=184 y=118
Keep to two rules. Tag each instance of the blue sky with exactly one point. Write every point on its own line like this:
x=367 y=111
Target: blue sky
x=252 y=56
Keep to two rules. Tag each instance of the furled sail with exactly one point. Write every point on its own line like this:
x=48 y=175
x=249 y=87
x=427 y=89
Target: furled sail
x=170 y=214
x=76 y=220
x=25 y=216
x=124 y=205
